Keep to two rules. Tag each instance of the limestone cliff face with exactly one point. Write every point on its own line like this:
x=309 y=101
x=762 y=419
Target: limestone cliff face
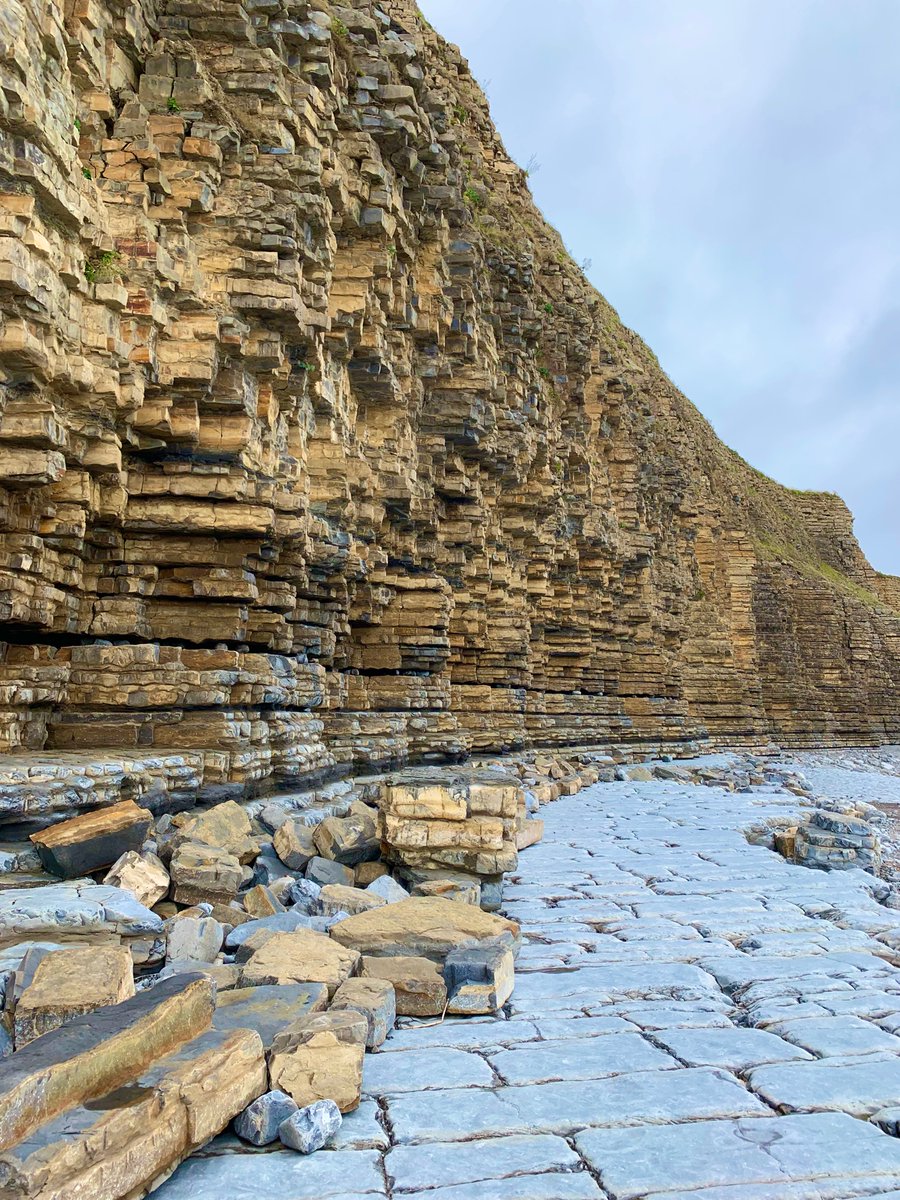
x=316 y=448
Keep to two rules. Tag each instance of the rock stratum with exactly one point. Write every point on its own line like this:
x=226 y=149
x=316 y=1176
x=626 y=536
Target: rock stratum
x=319 y=453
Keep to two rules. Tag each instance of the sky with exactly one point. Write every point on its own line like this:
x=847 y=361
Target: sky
x=732 y=170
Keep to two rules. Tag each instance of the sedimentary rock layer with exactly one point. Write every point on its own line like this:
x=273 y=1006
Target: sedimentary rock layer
x=317 y=450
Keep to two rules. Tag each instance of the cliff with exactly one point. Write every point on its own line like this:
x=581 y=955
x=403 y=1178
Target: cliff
x=317 y=450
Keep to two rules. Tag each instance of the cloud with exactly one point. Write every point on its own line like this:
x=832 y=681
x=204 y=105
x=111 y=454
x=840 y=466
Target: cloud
x=731 y=168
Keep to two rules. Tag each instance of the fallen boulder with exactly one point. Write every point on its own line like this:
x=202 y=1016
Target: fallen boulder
x=77 y=847
x=321 y=1058
x=423 y=926
x=68 y=983
x=141 y=874
x=81 y=912
x=418 y=983
x=300 y=957
x=373 y=999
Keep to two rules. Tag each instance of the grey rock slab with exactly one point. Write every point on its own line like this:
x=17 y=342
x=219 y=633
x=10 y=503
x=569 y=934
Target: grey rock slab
x=557 y=1028
x=331 y=1175
x=829 y=1037
x=548 y=1186
x=691 y=1158
x=860 y=1085
x=676 y=1016
x=362 y=1129
x=735 y=1049
x=440 y=1165
x=588 y=1058
x=646 y=1096
x=422 y=1070
x=465 y=1034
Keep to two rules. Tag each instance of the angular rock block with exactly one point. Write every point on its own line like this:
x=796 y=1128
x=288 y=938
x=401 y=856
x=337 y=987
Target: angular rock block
x=324 y=871
x=373 y=999
x=293 y=842
x=335 y=898
x=69 y=983
x=224 y=827
x=300 y=957
x=261 y=901
x=75 y=848
x=311 y=1128
x=204 y=873
x=424 y=926
x=141 y=874
x=81 y=912
x=418 y=983
x=388 y=889
x=464 y=891
x=320 y=1058
x=480 y=978
x=260 y=1121
x=121 y=1143
x=194 y=939
x=349 y=840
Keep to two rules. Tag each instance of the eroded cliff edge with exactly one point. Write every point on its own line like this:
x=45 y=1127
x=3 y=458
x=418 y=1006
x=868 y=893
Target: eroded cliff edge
x=316 y=448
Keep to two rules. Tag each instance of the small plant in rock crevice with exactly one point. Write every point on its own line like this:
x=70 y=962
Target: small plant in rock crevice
x=172 y=105
x=339 y=29
x=474 y=197
x=104 y=269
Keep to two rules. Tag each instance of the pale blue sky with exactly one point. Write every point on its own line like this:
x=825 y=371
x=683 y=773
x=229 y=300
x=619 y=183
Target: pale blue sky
x=732 y=168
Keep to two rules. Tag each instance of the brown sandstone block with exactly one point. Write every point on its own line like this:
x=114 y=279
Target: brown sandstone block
x=320 y=1058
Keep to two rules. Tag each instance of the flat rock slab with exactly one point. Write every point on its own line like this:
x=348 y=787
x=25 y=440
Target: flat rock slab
x=329 y=1175
x=859 y=1086
x=564 y=1108
x=98 y=1052
x=413 y=1167
x=634 y=1163
x=590 y=1058
x=828 y=1037
x=419 y=1070
x=735 y=1049
x=550 y=1186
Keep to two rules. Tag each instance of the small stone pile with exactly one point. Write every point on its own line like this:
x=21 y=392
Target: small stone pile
x=836 y=841
x=240 y=960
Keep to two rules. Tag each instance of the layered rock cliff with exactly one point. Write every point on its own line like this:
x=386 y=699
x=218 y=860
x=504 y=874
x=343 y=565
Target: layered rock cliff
x=317 y=449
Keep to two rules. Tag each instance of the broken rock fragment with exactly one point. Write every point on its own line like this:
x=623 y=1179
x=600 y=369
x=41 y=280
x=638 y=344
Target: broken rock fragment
x=310 y=1128
x=204 y=873
x=336 y=898
x=143 y=874
x=373 y=999
x=321 y=1058
x=260 y=1121
x=293 y=842
x=480 y=978
x=349 y=840
x=70 y=982
x=418 y=983
x=301 y=956
x=72 y=849
x=423 y=926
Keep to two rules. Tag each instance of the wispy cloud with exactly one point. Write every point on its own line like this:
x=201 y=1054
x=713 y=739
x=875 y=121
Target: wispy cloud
x=732 y=168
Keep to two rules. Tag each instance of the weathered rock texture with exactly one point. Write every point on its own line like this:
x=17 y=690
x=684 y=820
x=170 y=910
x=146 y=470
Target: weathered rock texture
x=316 y=448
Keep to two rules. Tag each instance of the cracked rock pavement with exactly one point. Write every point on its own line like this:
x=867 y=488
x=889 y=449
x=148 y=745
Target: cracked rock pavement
x=694 y=1019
